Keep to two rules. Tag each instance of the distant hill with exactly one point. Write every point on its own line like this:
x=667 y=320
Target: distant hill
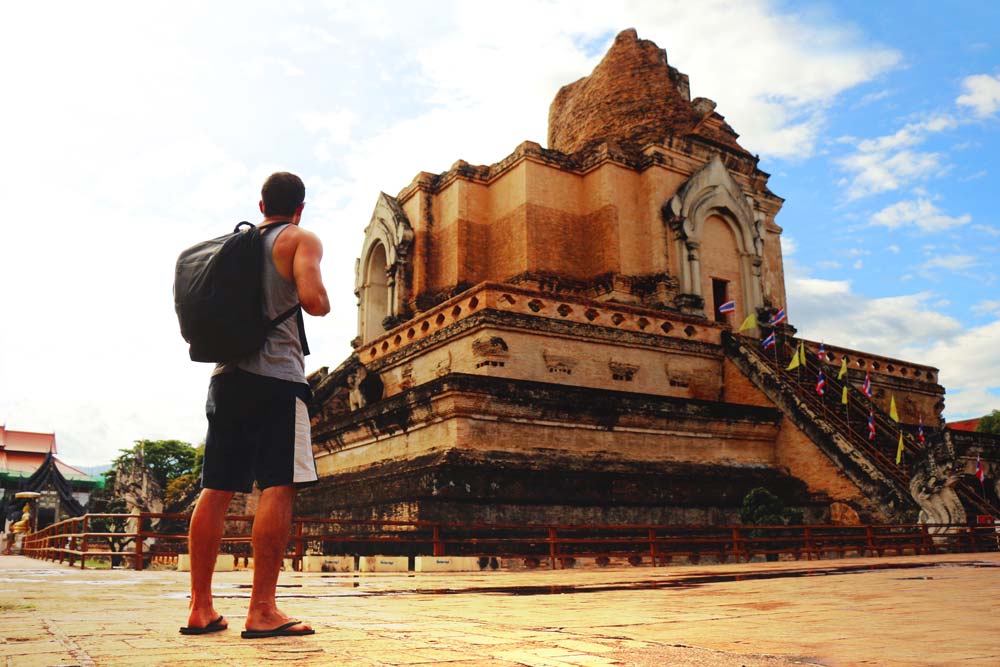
x=94 y=470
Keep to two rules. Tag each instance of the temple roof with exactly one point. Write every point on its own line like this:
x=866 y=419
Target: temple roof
x=633 y=98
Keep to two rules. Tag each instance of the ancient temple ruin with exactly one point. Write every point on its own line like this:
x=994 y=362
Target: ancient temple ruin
x=539 y=339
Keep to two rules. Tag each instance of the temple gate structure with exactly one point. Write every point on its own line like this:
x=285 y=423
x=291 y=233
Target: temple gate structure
x=539 y=340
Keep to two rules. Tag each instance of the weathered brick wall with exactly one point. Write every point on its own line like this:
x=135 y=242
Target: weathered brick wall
x=630 y=96
x=799 y=456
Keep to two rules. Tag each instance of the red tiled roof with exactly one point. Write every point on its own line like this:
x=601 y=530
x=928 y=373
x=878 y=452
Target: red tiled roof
x=964 y=425
x=27 y=441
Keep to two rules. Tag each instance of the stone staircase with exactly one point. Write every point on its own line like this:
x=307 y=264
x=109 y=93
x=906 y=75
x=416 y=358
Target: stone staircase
x=842 y=432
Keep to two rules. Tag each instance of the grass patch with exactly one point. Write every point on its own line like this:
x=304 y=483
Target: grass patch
x=8 y=605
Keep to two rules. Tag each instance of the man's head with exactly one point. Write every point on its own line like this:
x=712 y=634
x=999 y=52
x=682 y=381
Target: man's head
x=283 y=194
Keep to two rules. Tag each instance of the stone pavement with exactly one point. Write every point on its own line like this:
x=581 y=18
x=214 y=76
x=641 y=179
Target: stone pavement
x=915 y=610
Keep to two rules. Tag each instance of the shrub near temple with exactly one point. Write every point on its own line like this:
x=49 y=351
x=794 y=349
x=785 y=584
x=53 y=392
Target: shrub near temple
x=763 y=508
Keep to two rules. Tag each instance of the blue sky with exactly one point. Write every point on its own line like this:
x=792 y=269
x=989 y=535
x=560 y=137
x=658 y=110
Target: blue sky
x=132 y=130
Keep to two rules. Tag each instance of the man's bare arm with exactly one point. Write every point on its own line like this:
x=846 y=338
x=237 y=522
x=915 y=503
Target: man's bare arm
x=305 y=271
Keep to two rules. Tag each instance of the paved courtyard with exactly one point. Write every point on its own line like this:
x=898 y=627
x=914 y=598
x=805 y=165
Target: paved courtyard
x=919 y=610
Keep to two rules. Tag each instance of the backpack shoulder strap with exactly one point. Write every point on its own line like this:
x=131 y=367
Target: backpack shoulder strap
x=295 y=310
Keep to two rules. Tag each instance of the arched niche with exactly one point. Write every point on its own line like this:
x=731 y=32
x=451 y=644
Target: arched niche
x=711 y=194
x=375 y=293
x=382 y=275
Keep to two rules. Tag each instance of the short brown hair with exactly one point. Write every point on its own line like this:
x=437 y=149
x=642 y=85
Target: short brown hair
x=282 y=193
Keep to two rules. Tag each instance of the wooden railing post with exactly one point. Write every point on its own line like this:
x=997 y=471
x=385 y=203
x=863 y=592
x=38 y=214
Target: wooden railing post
x=138 y=541
x=300 y=547
x=737 y=546
x=438 y=544
x=83 y=542
x=652 y=546
x=928 y=541
x=809 y=543
x=552 y=548
x=870 y=537
x=973 y=542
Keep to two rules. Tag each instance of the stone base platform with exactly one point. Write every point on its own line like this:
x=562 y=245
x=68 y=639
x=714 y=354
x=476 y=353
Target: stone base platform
x=894 y=612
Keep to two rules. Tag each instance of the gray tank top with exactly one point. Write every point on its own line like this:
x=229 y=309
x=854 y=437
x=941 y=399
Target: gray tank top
x=281 y=355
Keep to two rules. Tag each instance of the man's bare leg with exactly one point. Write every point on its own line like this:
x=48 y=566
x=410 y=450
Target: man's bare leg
x=271 y=527
x=204 y=538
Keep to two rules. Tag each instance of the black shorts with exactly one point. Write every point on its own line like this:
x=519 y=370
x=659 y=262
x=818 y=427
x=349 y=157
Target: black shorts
x=258 y=429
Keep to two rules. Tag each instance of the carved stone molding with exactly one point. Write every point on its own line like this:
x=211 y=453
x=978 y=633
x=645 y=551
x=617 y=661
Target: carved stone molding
x=621 y=371
x=558 y=364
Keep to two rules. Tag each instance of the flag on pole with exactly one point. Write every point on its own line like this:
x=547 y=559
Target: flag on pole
x=892 y=408
x=920 y=432
x=799 y=359
x=980 y=473
x=866 y=388
x=768 y=342
x=778 y=318
x=728 y=307
x=749 y=323
x=822 y=352
x=899 y=449
x=843 y=395
x=821 y=384
x=871 y=425
x=843 y=368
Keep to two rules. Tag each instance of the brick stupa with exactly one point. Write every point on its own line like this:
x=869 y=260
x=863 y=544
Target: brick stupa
x=539 y=339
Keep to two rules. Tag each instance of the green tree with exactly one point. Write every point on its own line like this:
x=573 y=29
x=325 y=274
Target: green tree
x=990 y=423
x=165 y=459
x=174 y=464
x=763 y=508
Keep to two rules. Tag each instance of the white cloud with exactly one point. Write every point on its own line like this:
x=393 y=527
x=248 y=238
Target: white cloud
x=909 y=135
x=921 y=213
x=982 y=94
x=894 y=249
x=992 y=231
x=879 y=172
x=987 y=306
x=859 y=264
x=788 y=246
x=950 y=263
x=335 y=126
x=871 y=98
x=970 y=369
x=258 y=66
x=828 y=264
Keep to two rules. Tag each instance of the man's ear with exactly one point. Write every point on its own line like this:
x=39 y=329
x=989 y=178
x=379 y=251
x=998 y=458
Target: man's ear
x=298 y=212
x=260 y=205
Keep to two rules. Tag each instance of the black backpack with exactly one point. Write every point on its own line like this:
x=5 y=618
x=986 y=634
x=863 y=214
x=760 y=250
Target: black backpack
x=218 y=296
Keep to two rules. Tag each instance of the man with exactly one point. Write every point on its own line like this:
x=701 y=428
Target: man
x=258 y=426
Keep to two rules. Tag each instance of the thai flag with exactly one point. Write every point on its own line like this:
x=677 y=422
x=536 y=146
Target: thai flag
x=728 y=307
x=871 y=425
x=822 y=352
x=866 y=388
x=980 y=473
x=768 y=342
x=778 y=318
x=821 y=384
x=920 y=433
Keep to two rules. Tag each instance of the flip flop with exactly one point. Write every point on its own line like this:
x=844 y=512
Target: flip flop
x=280 y=631
x=214 y=626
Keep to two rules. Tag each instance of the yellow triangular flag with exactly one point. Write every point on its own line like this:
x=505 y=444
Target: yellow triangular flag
x=749 y=323
x=794 y=363
x=899 y=450
x=843 y=396
x=892 y=409
x=843 y=368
